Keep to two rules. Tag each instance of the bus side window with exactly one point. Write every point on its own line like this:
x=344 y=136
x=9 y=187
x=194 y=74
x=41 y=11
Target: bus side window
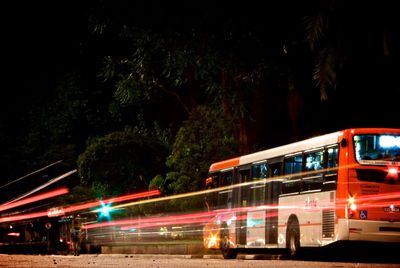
x=225 y=196
x=259 y=171
x=257 y=190
x=212 y=197
x=314 y=160
x=274 y=169
x=292 y=167
x=243 y=192
x=314 y=165
x=332 y=168
x=333 y=154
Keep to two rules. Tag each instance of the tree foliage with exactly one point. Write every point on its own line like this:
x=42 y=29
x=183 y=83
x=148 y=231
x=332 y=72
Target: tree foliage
x=120 y=162
x=204 y=138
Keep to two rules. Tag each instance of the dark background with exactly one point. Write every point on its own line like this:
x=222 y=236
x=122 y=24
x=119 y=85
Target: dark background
x=43 y=42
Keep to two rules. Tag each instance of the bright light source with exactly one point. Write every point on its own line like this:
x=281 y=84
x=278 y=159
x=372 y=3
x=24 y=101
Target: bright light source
x=105 y=210
x=212 y=241
x=392 y=171
x=14 y=234
x=352 y=203
x=389 y=141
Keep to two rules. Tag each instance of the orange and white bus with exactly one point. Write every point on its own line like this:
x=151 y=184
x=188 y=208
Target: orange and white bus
x=342 y=186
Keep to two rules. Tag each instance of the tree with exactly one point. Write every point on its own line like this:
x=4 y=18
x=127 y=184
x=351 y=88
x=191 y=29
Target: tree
x=204 y=138
x=121 y=162
x=353 y=47
x=197 y=57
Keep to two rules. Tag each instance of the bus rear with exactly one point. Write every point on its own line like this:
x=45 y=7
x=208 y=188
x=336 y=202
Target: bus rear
x=371 y=194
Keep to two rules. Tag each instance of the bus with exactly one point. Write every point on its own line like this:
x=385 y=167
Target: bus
x=342 y=186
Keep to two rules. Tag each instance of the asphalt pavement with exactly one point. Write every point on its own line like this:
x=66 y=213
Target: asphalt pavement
x=168 y=261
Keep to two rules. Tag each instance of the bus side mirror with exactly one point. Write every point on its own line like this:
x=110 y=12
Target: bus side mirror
x=343 y=143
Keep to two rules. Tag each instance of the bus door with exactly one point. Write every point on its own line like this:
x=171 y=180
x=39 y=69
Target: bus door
x=242 y=199
x=256 y=214
x=272 y=192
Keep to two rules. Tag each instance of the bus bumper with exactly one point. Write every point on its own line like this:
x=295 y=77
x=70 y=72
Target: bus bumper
x=378 y=231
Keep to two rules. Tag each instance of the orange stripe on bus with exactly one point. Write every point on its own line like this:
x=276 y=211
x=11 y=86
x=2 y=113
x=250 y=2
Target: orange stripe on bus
x=230 y=163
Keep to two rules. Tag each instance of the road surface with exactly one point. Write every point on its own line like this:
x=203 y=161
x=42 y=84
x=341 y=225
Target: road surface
x=172 y=261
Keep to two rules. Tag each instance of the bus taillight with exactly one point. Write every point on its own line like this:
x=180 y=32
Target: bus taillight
x=392 y=173
x=351 y=206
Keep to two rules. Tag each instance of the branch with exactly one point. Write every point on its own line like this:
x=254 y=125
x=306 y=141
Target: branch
x=173 y=93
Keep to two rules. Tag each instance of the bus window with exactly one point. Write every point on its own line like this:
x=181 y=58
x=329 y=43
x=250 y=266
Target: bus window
x=225 y=195
x=211 y=197
x=314 y=160
x=259 y=171
x=293 y=164
x=243 y=199
x=330 y=177
x=226 y=178
x=377 y=147
x=292 y=167
x=333 y=155
x=275 y=169
x=312 y=180
x=257 y=190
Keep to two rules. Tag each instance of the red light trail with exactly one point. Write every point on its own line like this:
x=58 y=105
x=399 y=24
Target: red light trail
x=81 y=206
x=35 y=198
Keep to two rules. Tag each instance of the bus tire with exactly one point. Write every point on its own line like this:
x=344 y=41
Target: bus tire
x=293 y=239
x=226 y=250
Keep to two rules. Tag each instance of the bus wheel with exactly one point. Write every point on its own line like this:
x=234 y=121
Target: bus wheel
x=293 y=241
x=227 y=251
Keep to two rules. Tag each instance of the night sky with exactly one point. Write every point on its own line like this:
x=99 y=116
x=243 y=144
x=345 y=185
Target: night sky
x=43 y=39
x=40 y=39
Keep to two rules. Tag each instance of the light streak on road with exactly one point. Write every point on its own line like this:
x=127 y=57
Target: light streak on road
x=271 y=211
x=41 y=187
x=208 y=191
x=185 y=218
x=111 y=200
x=24 y=216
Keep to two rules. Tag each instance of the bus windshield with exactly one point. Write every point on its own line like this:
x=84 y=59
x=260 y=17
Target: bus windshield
x=377 y=147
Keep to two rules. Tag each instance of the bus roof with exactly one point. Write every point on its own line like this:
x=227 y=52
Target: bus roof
x=308 y=144
x=304 y=145
x=230 y=163
x=278 y=151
